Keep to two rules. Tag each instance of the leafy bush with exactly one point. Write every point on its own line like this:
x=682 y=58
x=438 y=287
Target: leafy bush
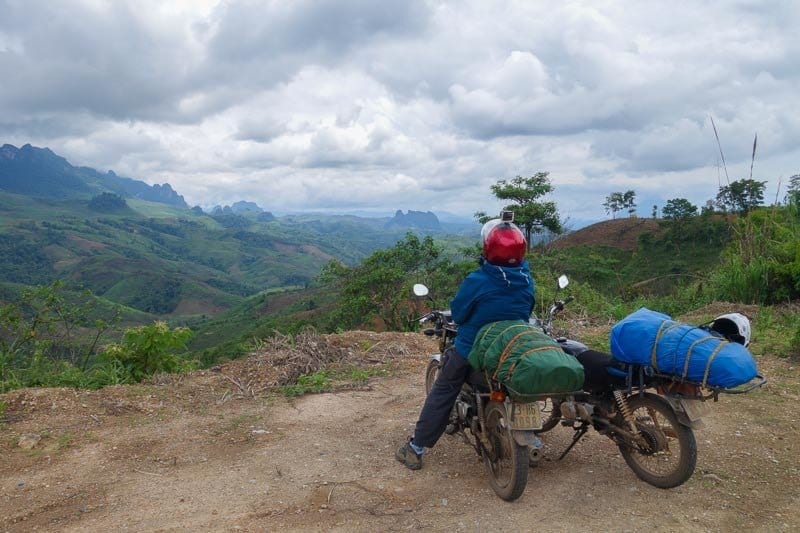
x=49 y=336
x=147 y=350
x=49 y=339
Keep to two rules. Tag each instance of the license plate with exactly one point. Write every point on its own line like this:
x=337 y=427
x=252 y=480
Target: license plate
x=694 y=409
x=526 y=416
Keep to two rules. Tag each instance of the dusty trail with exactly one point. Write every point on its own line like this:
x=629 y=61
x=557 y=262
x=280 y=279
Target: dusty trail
x=188 y=454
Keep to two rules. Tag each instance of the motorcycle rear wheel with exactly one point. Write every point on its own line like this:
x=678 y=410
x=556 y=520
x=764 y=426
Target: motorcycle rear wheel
x=669 y=455
x=507 y=464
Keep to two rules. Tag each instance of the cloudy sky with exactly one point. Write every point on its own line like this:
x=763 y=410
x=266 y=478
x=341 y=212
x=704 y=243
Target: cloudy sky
x=371 y=106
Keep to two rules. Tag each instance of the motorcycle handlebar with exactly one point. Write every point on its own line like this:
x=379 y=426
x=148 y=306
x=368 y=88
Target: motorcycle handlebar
x=431 y=315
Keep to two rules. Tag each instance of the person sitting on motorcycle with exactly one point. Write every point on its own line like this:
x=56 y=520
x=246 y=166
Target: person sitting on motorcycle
x=500 y=289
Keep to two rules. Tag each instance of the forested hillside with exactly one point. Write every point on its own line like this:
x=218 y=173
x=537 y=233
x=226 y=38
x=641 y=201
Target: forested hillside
x=181 y=264
x=79 y=246
x=140 y=246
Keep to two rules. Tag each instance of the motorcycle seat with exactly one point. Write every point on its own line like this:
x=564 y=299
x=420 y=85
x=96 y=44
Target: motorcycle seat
x=602 y=371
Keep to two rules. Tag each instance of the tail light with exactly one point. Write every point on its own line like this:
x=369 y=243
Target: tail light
x=497 y=396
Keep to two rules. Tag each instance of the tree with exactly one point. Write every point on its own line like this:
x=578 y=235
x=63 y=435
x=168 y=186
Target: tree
x=380 y=287
x=741 y=196
x=793 y=192
x=629 y=202
x=530 y=213
x=617 y=201
x=678 y=209
x=655 y=211
x=708 y=208
x=613 y=204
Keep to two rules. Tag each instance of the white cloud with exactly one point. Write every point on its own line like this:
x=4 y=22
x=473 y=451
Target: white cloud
x=361 y=105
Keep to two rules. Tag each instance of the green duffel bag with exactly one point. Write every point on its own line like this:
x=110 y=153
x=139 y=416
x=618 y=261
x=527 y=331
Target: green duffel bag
x=520 y=356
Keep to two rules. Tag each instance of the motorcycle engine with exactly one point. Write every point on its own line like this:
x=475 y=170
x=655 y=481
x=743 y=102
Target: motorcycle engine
x=462 y=408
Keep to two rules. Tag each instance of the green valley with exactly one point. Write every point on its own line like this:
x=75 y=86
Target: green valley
x=85 y=267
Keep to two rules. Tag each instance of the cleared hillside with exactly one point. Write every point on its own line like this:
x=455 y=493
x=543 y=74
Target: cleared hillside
x=622 y=233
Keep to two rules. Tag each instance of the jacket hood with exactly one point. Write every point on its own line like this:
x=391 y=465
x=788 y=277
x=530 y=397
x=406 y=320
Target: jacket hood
x=517 y=276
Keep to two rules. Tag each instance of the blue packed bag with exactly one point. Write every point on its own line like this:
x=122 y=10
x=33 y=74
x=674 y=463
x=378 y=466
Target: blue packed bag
x=687 y=352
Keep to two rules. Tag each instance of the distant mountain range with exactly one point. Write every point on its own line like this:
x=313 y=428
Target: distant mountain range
x=141 y=246
x=39 y=172
x=415 y=219
x=33 y=171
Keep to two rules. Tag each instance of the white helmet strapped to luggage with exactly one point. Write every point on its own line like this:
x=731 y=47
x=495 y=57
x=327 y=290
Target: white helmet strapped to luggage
x=733 y=326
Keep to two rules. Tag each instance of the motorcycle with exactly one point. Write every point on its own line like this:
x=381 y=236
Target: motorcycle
x=502 y=426
x=649 y=416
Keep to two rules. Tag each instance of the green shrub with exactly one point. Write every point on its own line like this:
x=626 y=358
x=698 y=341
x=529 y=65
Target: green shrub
x=147 y=350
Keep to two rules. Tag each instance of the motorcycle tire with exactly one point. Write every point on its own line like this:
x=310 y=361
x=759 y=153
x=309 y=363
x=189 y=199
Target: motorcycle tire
x=669 y=455
x=431 y=374
x=507 y=463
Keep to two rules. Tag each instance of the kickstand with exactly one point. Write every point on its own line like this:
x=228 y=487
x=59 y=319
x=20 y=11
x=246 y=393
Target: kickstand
x=580 y=432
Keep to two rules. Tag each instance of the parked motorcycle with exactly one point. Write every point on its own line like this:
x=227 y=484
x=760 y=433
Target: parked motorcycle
x=502 y=427
x=649 y=416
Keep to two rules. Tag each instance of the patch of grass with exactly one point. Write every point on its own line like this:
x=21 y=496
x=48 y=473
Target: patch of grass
x=597 y=341
x=319 y=381
x=360 y=376
x=794 y=343
x=331 y=380
x=64 y=441
x=776 y=331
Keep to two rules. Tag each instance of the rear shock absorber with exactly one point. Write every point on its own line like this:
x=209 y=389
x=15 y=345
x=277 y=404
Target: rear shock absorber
x=625 y=409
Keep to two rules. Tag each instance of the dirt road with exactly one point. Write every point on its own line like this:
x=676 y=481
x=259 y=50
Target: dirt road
x=197 y=453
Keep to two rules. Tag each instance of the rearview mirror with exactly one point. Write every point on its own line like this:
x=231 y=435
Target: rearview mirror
x=563 y=281
x=420 y=289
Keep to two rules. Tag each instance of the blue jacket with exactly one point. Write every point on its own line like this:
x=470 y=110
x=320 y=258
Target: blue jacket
x=489 y=294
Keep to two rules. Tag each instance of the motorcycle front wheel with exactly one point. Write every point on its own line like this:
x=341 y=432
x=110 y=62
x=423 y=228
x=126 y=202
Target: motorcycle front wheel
x=667 y=455
x=507 y=462
x=430 y=375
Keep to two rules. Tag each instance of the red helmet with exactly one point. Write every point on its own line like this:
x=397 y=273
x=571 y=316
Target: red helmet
x=503 y=243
